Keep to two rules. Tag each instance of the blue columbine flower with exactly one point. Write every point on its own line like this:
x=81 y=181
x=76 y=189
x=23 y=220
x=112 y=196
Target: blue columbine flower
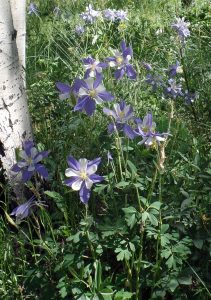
x=92 y=67
x=174 y=89
x=109 y=14
x=23 y=210
x=82 y=176
x=65 y=90
x=91 y=91
x=181 y=28
x=33 y=9
x=146 y=129
x=90 y=14
x=30 y=163
x=121 y=15
x=173 y=70
x=122 y=114
x=121 y=61
x=79 y=29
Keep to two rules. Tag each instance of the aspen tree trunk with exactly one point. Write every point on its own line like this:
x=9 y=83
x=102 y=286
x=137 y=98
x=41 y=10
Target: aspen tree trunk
x=15 y=123
x=18 y=8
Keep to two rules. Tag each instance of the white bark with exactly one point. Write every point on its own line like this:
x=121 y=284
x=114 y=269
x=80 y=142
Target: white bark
x=15 y=123
x=18 y=8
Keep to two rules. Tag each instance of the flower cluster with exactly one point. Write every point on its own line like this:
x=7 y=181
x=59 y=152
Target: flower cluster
x=90 y=90
x=30 y=162
x=82 y=176
x=33 y=9
x=90 y=14
x=181 y=28
x=113 y=15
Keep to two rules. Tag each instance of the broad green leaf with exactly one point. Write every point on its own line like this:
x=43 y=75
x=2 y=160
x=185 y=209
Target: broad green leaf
x=173 y=284
x=198 y=243
x=164 y=228
x=156 y=205
x=132 y=167
x=121 y=295
x=122 y=184
x=145 y=216
x=129 y=210
x=153 y=219
x=170 y=262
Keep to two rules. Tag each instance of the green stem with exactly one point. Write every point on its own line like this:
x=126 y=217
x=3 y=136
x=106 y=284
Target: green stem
x=91 y=248
x=186 y=80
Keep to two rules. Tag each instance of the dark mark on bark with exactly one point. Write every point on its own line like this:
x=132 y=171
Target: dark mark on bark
x=14 y=34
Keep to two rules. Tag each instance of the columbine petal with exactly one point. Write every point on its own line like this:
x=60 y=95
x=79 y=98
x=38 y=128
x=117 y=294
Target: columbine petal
x=88 y=183
x=89 y=106
x=76 y=185
x=84 y=194
x=26 y=175
x=106 y=96
x=42 y=170
x=83 y=163
x=119 y=73
x=129 y=132
x=96 y=178
x=73 y=163
x=81 y=103
x=131 y=73
x=71 y=172
x=109 y=112
x=71 y=180
x=98 y=81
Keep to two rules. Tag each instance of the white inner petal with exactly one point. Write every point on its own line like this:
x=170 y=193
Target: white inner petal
x=92 y=169
x=83 y=164
x=33 y=152
x=82 y=92
x=88 y=183
x=89 y=82
x=38 y=158
x=77 y=184
x=22 y=164
x=23 y=154
x=98 y=100
x=71 y=172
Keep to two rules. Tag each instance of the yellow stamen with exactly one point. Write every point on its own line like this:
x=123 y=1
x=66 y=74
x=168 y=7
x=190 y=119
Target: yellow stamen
x=119 y=60
x=121 y=114
x=83 y=175
x=92 y=93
